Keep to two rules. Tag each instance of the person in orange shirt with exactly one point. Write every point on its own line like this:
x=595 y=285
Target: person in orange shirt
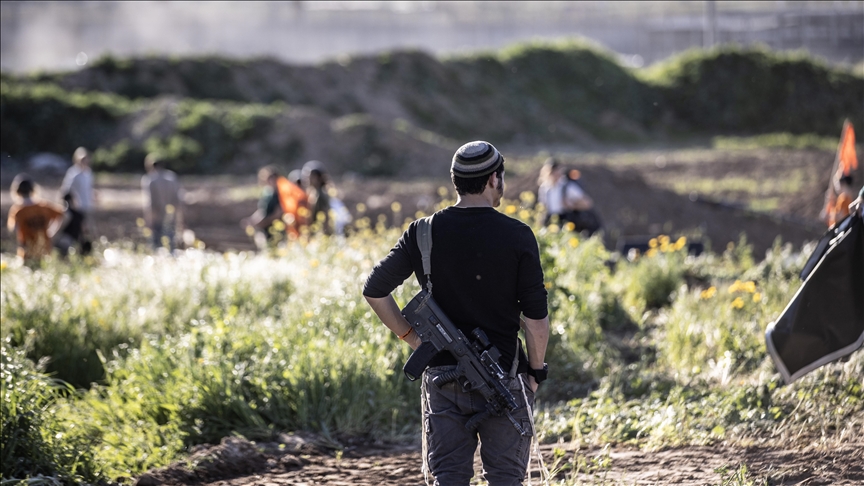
x=845 y=196
x=33 y=222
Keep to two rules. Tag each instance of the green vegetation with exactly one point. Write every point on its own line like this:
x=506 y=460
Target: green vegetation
x=32 y=442
x=776 y=140
x=195 y=136
x=543 y=92
x=751 y=91
x=665 y=350
x=47 y=118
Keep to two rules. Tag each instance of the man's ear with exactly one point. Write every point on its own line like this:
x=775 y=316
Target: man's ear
x=491 y=181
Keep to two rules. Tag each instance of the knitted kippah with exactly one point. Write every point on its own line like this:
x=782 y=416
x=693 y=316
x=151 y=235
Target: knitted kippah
x=476 y=159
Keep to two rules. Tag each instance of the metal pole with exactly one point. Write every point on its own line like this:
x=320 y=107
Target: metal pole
x=709 y=31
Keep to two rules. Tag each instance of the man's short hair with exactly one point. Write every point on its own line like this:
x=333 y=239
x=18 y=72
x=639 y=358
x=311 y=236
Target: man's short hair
x=153 y=161
x=268 y=171
x=22 y=185
x=80 y=154
x=475 y=185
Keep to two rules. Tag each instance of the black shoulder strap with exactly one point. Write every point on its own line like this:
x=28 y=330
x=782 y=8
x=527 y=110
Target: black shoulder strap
x=424 y=242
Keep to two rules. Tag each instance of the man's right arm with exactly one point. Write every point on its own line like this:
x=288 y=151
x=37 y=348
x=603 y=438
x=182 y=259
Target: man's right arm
x=388 y=311
x=384 y=278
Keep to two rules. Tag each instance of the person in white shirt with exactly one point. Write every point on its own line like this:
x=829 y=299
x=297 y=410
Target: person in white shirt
x=78 y=182
x=162 y=202
x=558 y=194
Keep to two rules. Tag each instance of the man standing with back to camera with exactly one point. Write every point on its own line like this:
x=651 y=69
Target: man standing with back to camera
x=486 y=272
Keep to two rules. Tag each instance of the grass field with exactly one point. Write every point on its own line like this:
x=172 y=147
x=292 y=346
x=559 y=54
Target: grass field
x=662 y=351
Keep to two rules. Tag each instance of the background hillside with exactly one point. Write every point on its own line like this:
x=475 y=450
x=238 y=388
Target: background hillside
x=392 y=114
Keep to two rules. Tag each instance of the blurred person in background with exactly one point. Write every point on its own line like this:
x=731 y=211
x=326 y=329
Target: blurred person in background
x=72 y=233
x=264 y=224
x=78 y=183
x=162 y=202
x=33 y=222
x=317 y=180
x=296 y=177
x=845 y=195
x=564 y=199
x=294 y=203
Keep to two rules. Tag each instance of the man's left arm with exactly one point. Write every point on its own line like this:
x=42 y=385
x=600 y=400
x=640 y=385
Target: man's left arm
x=533 y=304
x=536 y=340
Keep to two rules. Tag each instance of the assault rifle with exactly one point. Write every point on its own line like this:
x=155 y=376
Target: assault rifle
x=477 y=367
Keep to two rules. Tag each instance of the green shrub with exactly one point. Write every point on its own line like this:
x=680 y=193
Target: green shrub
x=46 y=118
x=33 y=442
x=73 y=320
x=738 y=90
x=651 y=281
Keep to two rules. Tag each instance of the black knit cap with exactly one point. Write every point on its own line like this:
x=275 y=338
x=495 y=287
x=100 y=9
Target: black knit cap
x=476 y=159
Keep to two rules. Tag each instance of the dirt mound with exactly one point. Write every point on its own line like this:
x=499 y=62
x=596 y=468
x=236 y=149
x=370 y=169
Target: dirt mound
x=631 y=209
x=236 y=456
x=306 y=457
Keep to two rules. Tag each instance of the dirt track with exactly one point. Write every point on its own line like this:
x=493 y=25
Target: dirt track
x=632 y=199
x=236 y=462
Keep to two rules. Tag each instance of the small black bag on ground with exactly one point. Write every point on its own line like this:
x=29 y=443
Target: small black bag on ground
x=586 y=220
x=824 y=321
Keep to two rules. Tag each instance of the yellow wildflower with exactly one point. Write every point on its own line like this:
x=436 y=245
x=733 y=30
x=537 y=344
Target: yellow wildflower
x=574 y=242
x=738 y=303
x=396 y=206
x=569 y=226
x=553 y=228
x=510 y=209
x=708 y=293
x=652 y=243
x=757 y=297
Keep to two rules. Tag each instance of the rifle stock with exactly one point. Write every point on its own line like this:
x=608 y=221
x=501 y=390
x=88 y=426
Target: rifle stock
x=477 y=361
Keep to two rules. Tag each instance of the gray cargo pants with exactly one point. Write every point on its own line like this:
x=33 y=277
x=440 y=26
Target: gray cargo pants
x=449 y=447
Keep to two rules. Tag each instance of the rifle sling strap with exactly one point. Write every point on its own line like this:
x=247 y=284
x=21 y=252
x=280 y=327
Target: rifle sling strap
x=424 y=242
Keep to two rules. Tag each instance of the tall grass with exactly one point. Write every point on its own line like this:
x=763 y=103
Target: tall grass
x=168 y=352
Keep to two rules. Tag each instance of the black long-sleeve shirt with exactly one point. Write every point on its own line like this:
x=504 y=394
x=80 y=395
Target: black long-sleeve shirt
x=485 y=272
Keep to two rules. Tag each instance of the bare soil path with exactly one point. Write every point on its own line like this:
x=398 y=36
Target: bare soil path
x=294 y=461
